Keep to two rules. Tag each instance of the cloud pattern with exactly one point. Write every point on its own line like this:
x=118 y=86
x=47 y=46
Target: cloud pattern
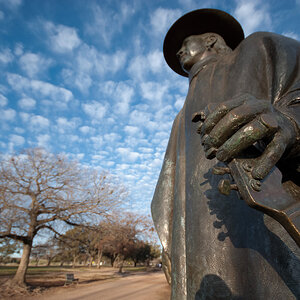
x=96 y=86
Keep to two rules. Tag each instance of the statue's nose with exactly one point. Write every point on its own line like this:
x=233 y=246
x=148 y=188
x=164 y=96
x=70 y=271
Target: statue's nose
x=179 y=53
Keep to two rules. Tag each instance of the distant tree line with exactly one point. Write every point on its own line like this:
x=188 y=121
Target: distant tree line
x=117 y=239
x=47 y=193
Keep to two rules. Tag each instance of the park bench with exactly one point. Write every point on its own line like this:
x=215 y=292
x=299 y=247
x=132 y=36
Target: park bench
x=70 y=278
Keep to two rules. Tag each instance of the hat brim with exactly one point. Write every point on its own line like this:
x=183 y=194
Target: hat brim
x=198 y=22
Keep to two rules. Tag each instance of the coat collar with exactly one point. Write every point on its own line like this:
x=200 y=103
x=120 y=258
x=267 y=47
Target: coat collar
x=200 y=65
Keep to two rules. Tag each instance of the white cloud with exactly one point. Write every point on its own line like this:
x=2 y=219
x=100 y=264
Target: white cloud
x=43 y=140
x=17 y=140
x=95 y=110
x=106 y=23
x=7 y=114
x=161 y=138
x=141 y=65
x=138 y=117
x=112 y=137
x=155 y=91
x=86 y=129
x=96 y=158
x=19 y=130
x=39 y=88
x=132 y=130
x=179 y=102
x=6 y=56
x=97 y=141
x=100 y=63
x=253 y=16
x=34 y=64
x=109 y=163
x=18 y=49
x=145 y=150
x=64 y=125
x=3 y=100
x=24 y=116
x=12 y=4
x=156 y=163
x=79 y=156
x=292 y=35
x=38 y=123
x=121 y=93
x=81 y=80
x=162 y=19
x=192 y=4
x=62 y=39
x=127 y=154
x=27 y=103
x=72 y=138
x=89 y=62
x=155 y=60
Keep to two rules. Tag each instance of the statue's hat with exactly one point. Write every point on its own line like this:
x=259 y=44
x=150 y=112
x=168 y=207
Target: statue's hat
x=198 y=22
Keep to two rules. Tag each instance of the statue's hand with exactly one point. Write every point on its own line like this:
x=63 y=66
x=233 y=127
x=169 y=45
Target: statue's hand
x=232 y=126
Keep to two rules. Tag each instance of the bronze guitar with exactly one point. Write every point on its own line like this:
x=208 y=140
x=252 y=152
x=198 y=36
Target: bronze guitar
x=269 y=195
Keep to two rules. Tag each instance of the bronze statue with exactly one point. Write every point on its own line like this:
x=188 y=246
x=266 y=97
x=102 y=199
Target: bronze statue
x=244 y=94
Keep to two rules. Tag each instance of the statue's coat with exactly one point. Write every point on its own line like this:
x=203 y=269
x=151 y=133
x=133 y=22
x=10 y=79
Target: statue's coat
x=219 y=247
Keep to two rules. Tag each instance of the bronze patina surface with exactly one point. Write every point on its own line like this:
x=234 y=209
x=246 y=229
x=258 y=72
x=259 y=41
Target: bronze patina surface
x=244 y=103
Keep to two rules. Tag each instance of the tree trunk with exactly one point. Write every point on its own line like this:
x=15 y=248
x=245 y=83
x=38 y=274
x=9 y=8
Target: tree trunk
x=90 y=261
x=121 y=266
x=99 y=259
x=74 y=261
x=114 y=260
x=135 y=263
x=85 y=260
x=19 y=278
x=48 y=262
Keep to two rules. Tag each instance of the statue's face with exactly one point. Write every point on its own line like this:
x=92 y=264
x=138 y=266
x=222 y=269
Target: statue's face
x=191 y=51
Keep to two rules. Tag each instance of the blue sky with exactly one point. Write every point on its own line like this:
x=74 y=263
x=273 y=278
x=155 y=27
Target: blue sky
x=88 y=78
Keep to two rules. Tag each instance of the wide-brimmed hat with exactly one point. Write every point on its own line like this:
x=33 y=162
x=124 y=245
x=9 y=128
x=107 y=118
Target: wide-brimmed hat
x=198 y=22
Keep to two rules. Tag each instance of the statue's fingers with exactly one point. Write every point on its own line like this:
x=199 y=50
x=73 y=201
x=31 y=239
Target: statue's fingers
x=263 y=126
x=214 y=113
x=270 y=156
x=231 y=122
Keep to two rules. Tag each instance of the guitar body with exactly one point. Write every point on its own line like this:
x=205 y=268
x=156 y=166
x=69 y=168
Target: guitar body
x=269 y=195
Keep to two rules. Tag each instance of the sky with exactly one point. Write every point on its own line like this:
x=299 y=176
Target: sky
x=88 y=79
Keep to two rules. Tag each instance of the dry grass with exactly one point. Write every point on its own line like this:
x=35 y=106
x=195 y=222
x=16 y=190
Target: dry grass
x=42 y=280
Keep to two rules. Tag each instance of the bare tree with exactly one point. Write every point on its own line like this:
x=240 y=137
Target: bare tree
x=47 y=251
x=8 y=247
x=122 y=234
x=80 y=242
x=39 y=191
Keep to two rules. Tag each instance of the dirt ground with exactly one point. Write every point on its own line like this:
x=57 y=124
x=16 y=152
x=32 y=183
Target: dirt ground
x=104 y=284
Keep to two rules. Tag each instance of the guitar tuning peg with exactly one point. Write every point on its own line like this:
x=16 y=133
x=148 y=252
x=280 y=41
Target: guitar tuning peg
x=225 y=187
x=221 y=170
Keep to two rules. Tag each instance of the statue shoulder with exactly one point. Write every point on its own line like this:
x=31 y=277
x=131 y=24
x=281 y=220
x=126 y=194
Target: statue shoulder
x=269 y=38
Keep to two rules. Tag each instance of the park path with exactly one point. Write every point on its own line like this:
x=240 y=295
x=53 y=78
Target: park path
x=144 y=286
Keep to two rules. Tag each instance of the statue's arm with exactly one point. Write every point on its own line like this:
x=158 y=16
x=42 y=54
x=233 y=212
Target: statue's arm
x=232 y=126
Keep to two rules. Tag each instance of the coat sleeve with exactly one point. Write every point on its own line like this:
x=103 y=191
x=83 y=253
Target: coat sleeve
x=272 y=63
x=162 y=202
x=283 y=63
